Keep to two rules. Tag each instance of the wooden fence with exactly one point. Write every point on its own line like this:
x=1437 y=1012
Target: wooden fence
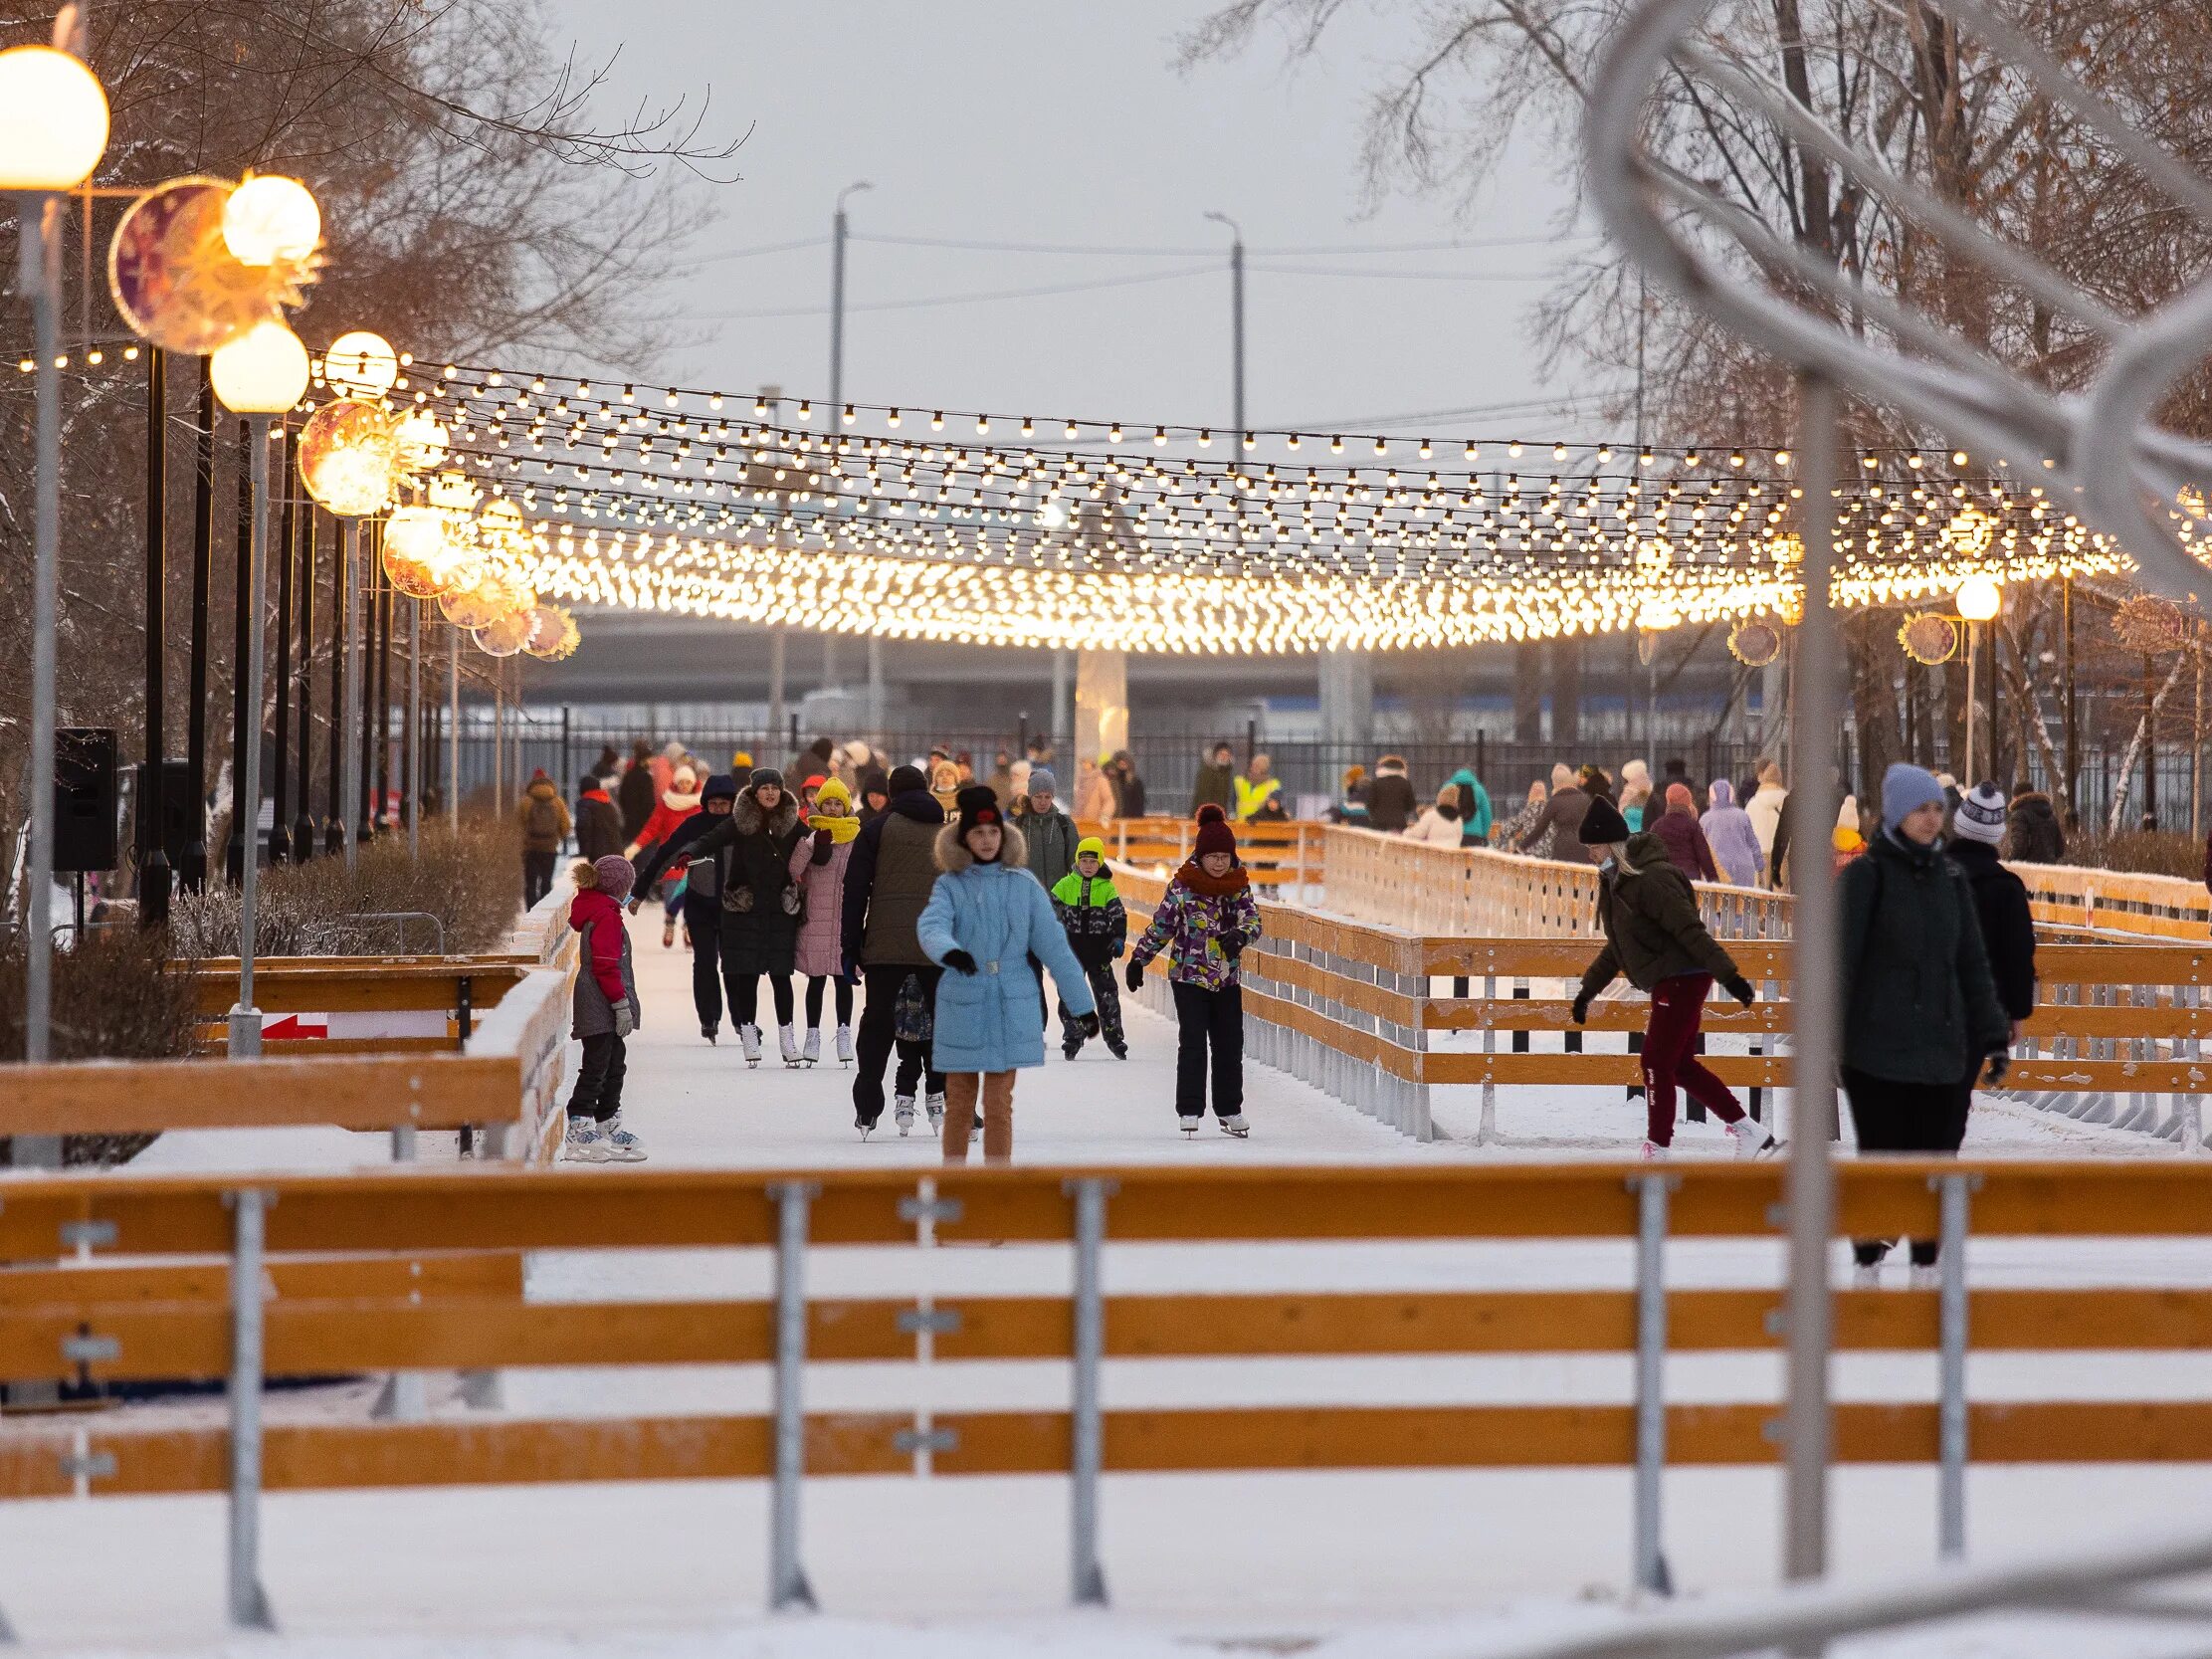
x=1287 y=854
x=143 y=1320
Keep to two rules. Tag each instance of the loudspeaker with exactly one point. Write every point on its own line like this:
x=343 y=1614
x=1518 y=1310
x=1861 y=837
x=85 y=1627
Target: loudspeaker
x=85 y=806
x=180 y=813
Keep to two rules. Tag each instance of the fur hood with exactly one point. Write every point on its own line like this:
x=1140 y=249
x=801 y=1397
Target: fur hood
x=751 y=819
x=542 y=790
x=1390 y=766
x=954 y=857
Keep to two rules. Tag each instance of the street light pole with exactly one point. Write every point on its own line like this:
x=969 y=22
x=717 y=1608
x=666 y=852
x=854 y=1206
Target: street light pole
x=154 y=874
x=1236 y=310
x=193 y=875
x=41 y=274
x=244 y=1018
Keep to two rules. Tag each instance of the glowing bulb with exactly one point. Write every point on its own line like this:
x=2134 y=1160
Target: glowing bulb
x=1979 y=600
x=361 y=365
x=53 y=120
x=271 y=218
x=262 y=372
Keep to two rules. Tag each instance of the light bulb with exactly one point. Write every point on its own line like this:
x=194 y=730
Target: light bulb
x=269 y=218
x=1979 y=600
x=262 y=372
x=360 y=364
x=53 y=120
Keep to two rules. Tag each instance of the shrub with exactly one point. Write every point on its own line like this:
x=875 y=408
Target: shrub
x=471 y=881
x=2140 y=852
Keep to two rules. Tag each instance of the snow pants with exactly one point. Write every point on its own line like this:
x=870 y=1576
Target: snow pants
x=598 y=1090
x=1209 y=1027
x=1670 y=1056
x=1928 y=1118
x=1105 y=990
x=997 y=1091
x=538 y=875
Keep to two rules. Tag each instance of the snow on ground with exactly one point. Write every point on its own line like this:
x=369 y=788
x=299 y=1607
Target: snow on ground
x=1344 y=1565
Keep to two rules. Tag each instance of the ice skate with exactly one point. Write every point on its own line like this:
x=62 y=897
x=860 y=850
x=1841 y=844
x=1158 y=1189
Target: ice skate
x=1189 y=1127
x=866 y=1128
x=708 y=1032
x=934 y=1106
x=1751 y=1138
x=585 y=1142
x=1119 y=1051
x=750 y=1035
x=1234 y=1125
x=1924 y=1276
x=1866 y=1276
x=1072 y=1047
x=1654 y=1153
x=844 y=1045
x=668 y=934
x=903 y=1114
x=788 y=1043
x=813 y=1050
x=622 y=1145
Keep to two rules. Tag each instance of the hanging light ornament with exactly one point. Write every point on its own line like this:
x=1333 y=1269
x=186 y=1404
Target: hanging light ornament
x=1755 y=641
x=173 y=277
x=271 y=219
x=417 y=556
x=1928 y=638
x=422 y=441
x=552 y=633
x=348 y=459
x=361 y=365
x=506 y=635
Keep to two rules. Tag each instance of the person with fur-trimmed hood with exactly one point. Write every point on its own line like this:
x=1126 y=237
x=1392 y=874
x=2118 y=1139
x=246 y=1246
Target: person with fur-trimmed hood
x=1205 y=920
x=818 y=862
x=1098 y=928
x=761 y=905
x=1654 y=936
x=1390 y=797
x=543 y=816
x=986 y=924
x=2034 y=834
x=605 y=1011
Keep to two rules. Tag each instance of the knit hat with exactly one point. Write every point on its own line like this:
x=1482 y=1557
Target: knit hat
x=722 y=786
x=763 y=775
x=589 y=782
x=833 y=790
x=742 y=761
x=823 y=748
x=617 y=875
x=1635 y=772
x=978 y=803
x=857 y=754
x=815 y=780
x=1905 y=790
x=1214 y=836
x=1678 y=795
x=1211 y=814
x=1042 y=782
x=1602 y=825
x=905 y=780
x=684 y=782
x=875 y=783
x=1091 y=844
x=1981 y=815
x=540 y=776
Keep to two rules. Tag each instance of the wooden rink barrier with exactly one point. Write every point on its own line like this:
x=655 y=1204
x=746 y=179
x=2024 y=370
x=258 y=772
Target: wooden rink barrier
x=331 y=1269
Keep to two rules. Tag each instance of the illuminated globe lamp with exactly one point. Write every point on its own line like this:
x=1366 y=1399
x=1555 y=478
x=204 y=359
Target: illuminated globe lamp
x=553 y=633
x=481 y=602
x=53 y=120
x=1979 y=600
x=422 y=441
x=416 y=555
x=262 y=372
x=506 y=635
x=269 y=218
x=361 y=365
x=349 y=459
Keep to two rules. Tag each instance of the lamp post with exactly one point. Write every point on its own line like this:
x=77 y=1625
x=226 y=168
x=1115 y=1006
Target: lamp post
x=259 y=375
x=1236 y=310
x=303 y=823
x=1979 y=600
x=837 y=417
x=192 y=875
x=154 y=872
x=53 y=129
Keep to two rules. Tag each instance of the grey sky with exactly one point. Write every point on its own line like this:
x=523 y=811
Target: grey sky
x=1066 y=123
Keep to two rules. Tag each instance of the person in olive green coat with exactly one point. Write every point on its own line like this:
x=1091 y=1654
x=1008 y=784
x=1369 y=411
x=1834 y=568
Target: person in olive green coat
x=1920 y=1009
x=1654 y=935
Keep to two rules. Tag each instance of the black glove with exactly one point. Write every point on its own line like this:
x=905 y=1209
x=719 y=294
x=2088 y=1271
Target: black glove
x=1232 y=947
x=1741 y=988
x=959 y=959
x=1088 y=1024
x=1133 y=977
x=1999 y=1064
x=821 y=847
x=1581 y=1006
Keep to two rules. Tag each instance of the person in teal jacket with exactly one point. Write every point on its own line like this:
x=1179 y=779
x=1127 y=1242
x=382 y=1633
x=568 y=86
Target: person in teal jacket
x=988 y=923
x=1475 y=812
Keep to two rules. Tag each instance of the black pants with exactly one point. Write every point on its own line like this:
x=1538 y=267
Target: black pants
x=873 y=1041
x=814 y=1001
x=1208 y=1020
x=1928 y=1118
x=704 y=917
x=598 y=1092
x=744 y=996
x=537 y=875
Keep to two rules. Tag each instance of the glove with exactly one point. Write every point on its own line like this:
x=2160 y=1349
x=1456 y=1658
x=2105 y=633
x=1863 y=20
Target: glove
x=1232 y=947
x=1088 y=1024
x=625 y=1021
x=1741 y=988
x=959 y=959
x=1581 y=1006
x=1133 y=976
x=821 y=847
x=851 y=974
x=1999 y=1064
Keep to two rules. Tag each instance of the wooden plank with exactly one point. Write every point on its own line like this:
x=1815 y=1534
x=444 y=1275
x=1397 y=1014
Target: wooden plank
x=478 y=1273
x=101 y=1097
x=1723 y=1014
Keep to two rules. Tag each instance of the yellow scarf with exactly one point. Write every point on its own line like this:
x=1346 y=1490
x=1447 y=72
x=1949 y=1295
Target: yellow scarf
x=841 y=829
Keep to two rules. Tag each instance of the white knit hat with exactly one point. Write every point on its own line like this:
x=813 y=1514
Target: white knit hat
x=1981 y=815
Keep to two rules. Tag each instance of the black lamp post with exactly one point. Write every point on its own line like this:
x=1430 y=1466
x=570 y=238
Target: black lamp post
x=153 y=858
x=303 y=823
x=371 y=537
x=341 y=625
x=279 y=784
x=245 y=725
x=192 y=873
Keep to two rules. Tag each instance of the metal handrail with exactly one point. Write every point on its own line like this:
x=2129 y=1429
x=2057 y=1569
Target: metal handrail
x=401 y=917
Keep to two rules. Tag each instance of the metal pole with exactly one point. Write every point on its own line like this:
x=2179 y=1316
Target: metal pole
x=452 y=729
x=244 y=1018
x=41 y=274
x=1973 y=666
x=412 y=737
x=249 y=1604
x=1811 y=1178
x=1062 y=725
x=154 y=872
x=1649 y=1563
x=1236 y=283
x=2073 y=733
x=1951 y=1491
x=193 y=875
x=787 y=1586
x=279 y=788
x=303 y=821
x=245 y=727
x=1087 y=1576
x=334 y=836
x=353 y=540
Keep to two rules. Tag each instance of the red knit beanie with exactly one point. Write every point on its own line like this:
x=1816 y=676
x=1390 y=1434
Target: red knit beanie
x=1211 y=814
x=1214 y=836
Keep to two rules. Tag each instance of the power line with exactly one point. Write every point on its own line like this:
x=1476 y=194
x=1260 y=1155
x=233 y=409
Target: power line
x=1519 y=406
x=755 y=253
x=1185 y=251
x=957 y=299
x=1401 y=275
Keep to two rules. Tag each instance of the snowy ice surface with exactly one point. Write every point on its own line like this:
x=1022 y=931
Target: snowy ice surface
x=1419 y=1565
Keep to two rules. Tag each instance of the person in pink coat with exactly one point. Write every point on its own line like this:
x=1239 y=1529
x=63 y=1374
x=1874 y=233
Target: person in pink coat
x=817 y=865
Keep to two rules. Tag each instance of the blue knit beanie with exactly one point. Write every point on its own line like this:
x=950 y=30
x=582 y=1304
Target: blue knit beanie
x=1905 y=790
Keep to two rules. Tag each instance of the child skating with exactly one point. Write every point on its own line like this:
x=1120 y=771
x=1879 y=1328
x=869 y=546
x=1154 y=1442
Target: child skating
x=1204 y=922
x=1097 y=930
x=606 y=1011
x=817 y=865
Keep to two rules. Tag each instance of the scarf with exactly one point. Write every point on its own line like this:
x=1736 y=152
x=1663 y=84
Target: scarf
x=842 y=829
x=1194 y=876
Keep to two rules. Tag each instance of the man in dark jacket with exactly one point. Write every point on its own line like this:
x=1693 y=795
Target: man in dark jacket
x=544 y=822
x=1217 y=780
x=598 y=824
x=1391 y=800
x=1562 y=816
x=2035 y=835
x=703 y=897
x=2001 y=903
x=635 y=794
x=888 y=882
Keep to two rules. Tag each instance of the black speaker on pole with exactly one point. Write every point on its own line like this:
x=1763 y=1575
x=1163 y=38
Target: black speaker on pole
x=84 y=804
x=180 y=813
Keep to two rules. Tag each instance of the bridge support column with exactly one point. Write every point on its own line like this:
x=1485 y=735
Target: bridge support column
x=1102 y=708
x=1347 y=688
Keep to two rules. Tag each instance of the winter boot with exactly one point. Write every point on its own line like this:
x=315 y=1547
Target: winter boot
x=1235 y=1125
x=844 y=1045
x=787 y=1040
x=1072 y=1047
x=1751 y=1138
x=933 y=1104
x=903 y=1114
x=1119 y=1051
x=668 y=934
x=623 y=1147
x=750 y=1035
x=585 y=1142
x=813 y=1050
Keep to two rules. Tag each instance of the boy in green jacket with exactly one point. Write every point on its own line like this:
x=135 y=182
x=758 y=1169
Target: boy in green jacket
x=1097 y=930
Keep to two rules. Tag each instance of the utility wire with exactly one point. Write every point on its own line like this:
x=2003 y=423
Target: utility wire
x=959 y=299
x=755 y=253
x=1399 y=276
x=1216 y=249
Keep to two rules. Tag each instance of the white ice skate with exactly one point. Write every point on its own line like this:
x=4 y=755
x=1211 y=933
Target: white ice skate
x=1235 y=1125
x=585 y=1142
x=866 y=1128
x=1189 y=1125
x=1654 y=1153
x=934 y=1106
x=903 y=1114
x=787 y=1041
x=622 y=1145
x=1925 y=1278
x=750 y=1035
x=844 y=1045
x=1751 y=1138
x=813 y=1050
x=1866 y=1276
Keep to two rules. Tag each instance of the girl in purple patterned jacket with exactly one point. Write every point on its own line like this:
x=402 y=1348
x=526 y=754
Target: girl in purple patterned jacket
x=1203 y=923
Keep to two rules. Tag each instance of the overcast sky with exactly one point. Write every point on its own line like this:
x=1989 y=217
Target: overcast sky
x=998 y=121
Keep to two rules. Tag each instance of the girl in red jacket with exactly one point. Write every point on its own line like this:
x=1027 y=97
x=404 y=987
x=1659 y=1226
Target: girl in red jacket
x=606 y=1011
x=679 y=802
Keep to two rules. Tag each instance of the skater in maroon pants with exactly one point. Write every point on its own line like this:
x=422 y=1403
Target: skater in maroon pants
x=1653 y=933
